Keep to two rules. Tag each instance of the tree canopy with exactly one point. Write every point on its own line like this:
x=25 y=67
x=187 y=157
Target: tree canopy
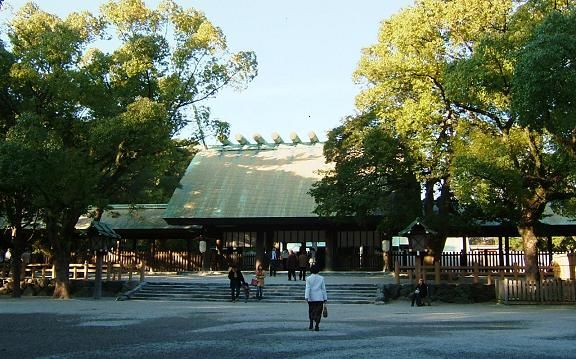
x=478 y=95
x=97 y=125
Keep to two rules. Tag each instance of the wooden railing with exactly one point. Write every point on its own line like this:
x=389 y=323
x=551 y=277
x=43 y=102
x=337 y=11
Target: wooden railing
x=476 y=273
x=189 y=261
x=112 y=271
x=552 y=291
x=484 y=258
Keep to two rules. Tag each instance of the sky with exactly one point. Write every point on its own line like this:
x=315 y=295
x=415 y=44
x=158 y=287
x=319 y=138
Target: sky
x=307 y=51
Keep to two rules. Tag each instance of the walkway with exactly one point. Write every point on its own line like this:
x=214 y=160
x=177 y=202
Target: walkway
x=105 y=329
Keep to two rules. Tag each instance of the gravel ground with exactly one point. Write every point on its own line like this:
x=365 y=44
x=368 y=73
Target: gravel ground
x=88 y=328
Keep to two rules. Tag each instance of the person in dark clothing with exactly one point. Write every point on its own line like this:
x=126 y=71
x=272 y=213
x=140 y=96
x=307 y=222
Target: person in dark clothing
x=292 y=265
x=236 y=281
x=420 y=293
x=274 y=259
x=302 y=265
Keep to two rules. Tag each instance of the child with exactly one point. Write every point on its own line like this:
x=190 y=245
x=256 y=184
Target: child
x=246 y=288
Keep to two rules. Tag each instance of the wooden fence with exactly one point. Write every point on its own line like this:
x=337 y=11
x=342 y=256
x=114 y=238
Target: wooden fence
x=474 y=273
x=521 y=291
x=190 y=261
x=111 y=271
x=483 y=258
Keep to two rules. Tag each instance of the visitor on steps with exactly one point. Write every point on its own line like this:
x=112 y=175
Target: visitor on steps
x=236 y=281
x=260 y=275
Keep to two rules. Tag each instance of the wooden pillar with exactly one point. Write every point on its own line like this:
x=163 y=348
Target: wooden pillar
x=269 y=246
x=330 y=250
x=550 y=248
x=464 y=259
x=109 y=270
x=260 y=240
x=397 y=272
x=507 y=250
x=437 y=272
x=476 y=273
x=189 y=254
x=500 y=252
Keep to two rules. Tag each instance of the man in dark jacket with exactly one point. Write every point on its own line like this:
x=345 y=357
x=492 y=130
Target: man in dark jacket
x=292 y=265
x=236 y=281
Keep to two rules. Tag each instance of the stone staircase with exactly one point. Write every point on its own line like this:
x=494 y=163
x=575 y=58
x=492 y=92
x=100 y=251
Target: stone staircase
x=273 y=293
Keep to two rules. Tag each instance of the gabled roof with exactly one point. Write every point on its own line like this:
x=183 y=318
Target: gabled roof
x=249 y=182
x=416 y=227
x=132 y=221
x=101 y=229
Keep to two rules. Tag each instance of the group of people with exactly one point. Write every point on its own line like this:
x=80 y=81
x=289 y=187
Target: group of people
x=237 y=282
x=291 y=262
x=315 y=292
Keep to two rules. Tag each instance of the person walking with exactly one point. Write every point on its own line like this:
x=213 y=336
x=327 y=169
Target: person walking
x=316 y=297
x=291 y=265
x=236 y=281
x=260 y=275
x=302 y=265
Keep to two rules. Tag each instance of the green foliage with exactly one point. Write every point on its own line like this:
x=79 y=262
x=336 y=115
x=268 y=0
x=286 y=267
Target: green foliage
x=97 y=127
x=370 y=174
x=545 y=77
x=479 y=95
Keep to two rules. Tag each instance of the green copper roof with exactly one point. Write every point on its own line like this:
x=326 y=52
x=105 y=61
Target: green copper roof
x=249 y=182
x=137 y=217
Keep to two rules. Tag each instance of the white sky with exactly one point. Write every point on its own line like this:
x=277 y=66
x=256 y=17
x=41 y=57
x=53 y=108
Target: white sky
x=307 y=51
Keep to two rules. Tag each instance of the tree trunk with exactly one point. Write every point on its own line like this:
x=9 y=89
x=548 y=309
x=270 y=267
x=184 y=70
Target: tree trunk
x=61 y=259
x=62 y=280
x=530 y=241
x=60 y=226
x=15 y=263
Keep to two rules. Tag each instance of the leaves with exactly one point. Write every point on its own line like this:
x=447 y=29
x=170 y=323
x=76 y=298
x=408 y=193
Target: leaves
x=371 y=175
x=97 y=126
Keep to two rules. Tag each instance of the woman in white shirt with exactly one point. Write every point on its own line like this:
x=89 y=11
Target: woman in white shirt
x=316 y=296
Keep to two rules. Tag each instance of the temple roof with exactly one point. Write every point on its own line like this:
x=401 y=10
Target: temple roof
x=251 y=181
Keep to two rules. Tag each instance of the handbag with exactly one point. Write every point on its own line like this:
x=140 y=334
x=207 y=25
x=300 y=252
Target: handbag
x=325 y=311
x=254 y=282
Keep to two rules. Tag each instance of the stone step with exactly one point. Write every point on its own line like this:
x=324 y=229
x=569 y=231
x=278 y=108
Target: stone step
x=281 y=293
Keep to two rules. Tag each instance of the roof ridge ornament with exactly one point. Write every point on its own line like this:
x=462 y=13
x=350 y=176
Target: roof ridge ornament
x=295 y=139
x=277 y=139
x=242 y=140
x=313 y=138
x=259 y=139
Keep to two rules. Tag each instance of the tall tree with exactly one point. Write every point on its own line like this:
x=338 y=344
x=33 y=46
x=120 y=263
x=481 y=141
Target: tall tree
x=444 y=76
x=404 y=74
x=371 y=174
x=104 y=121
x=515 y=155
